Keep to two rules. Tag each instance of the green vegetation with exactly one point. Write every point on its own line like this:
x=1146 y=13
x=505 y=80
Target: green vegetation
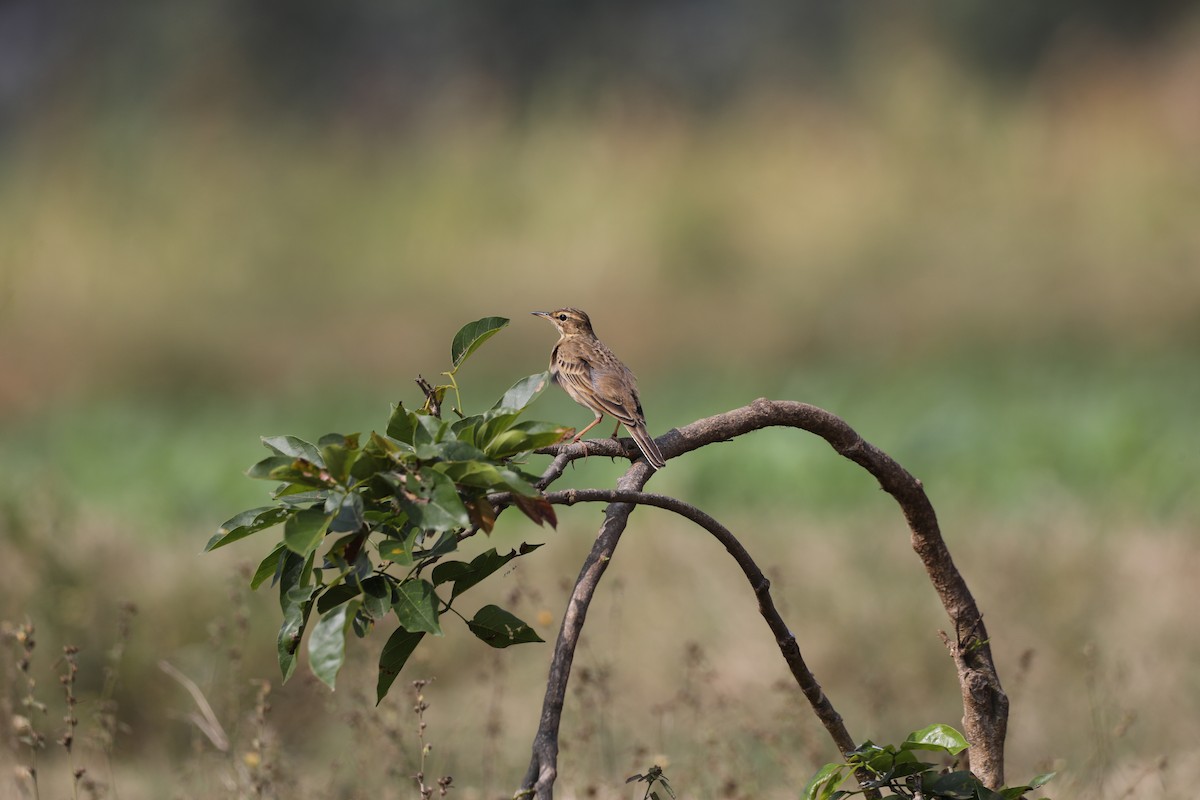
x=898 y=770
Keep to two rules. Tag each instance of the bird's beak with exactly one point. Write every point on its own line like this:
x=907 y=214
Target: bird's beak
x=545 y=314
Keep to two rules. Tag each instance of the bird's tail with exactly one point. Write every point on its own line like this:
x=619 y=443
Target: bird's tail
x=647 y=445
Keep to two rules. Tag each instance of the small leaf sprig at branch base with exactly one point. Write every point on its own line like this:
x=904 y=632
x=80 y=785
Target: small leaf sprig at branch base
x=898 y=770
x=367 y=523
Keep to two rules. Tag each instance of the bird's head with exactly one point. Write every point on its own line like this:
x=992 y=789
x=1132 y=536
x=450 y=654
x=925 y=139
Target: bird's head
x=568 y=321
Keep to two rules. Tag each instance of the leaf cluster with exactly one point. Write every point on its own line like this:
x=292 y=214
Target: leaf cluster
x=367 y=523
x=898 y=770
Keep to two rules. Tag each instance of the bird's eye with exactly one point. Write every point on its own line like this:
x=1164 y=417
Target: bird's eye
x=562 y=317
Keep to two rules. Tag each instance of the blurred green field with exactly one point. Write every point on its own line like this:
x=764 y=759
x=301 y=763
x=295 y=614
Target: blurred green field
x=1002 y=291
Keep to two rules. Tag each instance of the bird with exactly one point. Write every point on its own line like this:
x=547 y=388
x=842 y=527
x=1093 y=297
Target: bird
x=596 y=379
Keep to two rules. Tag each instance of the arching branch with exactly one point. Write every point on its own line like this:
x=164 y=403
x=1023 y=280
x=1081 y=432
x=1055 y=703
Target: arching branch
x=784 y=638
x=985 y=706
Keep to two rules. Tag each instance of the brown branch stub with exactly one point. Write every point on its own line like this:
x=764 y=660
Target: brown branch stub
x=985 y=706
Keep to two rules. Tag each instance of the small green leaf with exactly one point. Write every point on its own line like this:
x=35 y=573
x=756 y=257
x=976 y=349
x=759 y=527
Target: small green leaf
x=396 y=550
x=429 y=429
x=399 y=647
x=936 y=737
x=245 y=524
x=467 y=575
x=954 y=785
x=472 y=335
x=291 y=470
x=264 y=469
x=436 y=505
x=498 y=628
x=1041 y=780
x=347 y=512
x=294 y=448
x=483 y=475
x=339 y=454
x=377 y=596
x=296 y=606
x=822 y=785
x=523 y=392
x=451 y=450
x=402 y=424
x=337 y=595
x=525 y=437
x=327 y=644
x=303 y=531
x=416 y=606
x=268 y=567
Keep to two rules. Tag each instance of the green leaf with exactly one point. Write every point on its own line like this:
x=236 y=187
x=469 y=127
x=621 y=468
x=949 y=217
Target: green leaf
x=451 y=450
x=429 y=429
x=1041 y=780
x=377 y=596
x=472 y=335
x=303 y=531
x=402 y=424
x=483 y=475
x=936 y=737
x=416 y=606
x=264 y=469
x=498 y=628
x=347 y=512
x=523 y=392
x=822 y=785
x=294 y=448
x=954 y=785
x=399 y=647
x=339 y=454
x=296 y=494
x=397 y=550
x=434 y=504
x=291 y=470
x=245 y=524
x=269 y=567
x=296 y=606
x=337 y=595
x=467 y=575
x=327 y=644
x=525 y=437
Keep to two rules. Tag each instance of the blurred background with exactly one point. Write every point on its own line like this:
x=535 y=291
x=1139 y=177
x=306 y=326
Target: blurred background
x=969 y=229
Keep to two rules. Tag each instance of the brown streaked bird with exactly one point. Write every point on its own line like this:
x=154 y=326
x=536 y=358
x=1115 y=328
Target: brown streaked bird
x=597 y=380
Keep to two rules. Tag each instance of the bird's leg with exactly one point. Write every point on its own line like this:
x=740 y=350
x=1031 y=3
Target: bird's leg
x=595 y=422
x=579 y=435
x=617 y=429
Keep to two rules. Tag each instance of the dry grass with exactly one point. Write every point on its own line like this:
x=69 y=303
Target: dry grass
x=1093 y=640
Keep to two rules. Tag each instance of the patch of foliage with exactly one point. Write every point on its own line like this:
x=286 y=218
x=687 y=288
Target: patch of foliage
x=897 y=770
x=366 y=523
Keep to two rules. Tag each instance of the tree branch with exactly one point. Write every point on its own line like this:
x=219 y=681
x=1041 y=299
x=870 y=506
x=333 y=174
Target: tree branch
x=543 y=764
x=985 y=706
x=784 y=638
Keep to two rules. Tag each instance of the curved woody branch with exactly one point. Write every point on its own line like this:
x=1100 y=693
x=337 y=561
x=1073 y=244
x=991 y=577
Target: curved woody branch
x=985 y=706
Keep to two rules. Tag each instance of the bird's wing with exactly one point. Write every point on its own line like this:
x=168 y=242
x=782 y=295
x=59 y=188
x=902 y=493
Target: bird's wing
x=616 y=395
x=574 y=374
